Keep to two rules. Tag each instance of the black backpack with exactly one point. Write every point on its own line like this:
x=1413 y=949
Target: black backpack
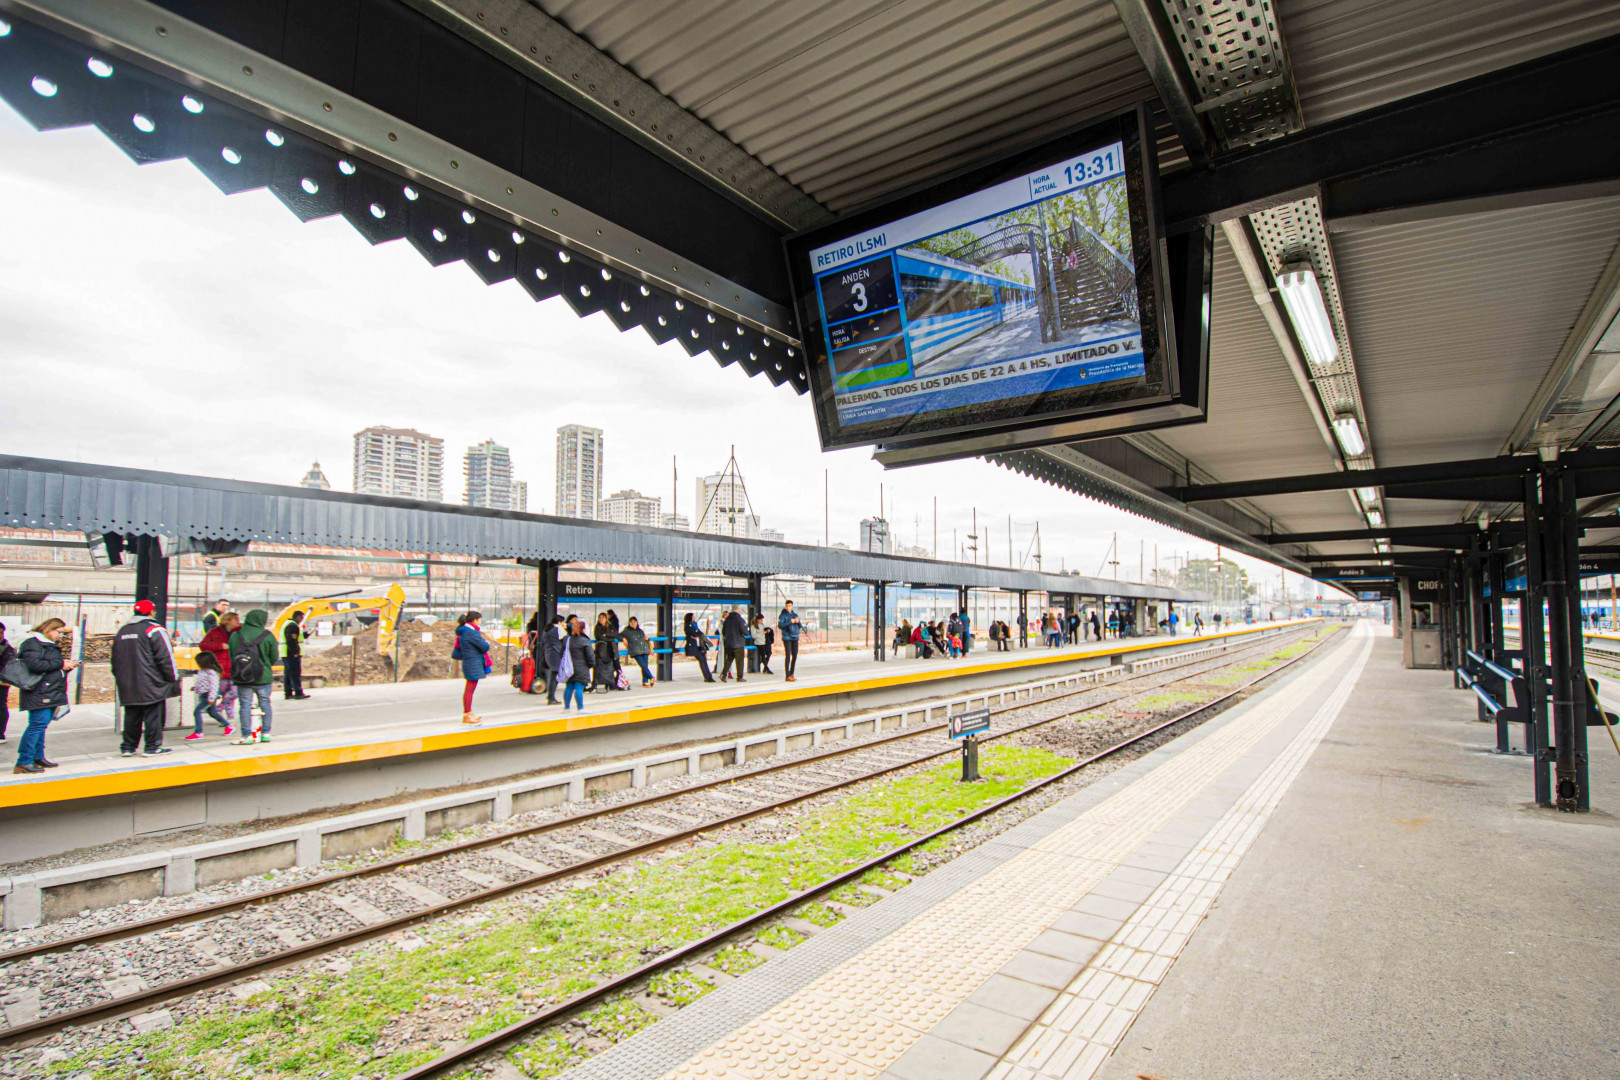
x=246 y=667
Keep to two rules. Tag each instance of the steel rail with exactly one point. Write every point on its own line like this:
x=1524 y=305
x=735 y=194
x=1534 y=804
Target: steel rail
x=161 y=922
x=461 y=1055
x=208 y=980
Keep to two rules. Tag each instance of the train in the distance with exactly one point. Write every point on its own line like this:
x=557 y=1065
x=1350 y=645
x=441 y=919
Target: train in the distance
x=948 y=302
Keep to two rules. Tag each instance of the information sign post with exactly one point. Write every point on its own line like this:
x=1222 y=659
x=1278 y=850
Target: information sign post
x=967 y=726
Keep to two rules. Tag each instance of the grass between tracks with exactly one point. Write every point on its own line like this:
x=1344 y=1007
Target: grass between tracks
x=394 y=1008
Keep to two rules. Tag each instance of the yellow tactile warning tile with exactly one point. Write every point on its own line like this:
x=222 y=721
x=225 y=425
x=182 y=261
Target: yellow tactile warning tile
x=857 y=1019
x=1076 y=1034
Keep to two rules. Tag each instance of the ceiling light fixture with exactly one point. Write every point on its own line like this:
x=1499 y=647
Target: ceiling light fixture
x=1375 y=517
x=1302 y=296
x=1368 y=495
x=1348 y=429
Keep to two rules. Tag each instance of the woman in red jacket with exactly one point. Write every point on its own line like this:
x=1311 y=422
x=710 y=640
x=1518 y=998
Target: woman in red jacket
x=218 y=642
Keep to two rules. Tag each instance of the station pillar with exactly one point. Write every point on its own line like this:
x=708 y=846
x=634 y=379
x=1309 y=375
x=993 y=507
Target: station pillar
x=880 y=621
x=1565 y=646
x=756 y=606
x=664 y=648
x=152 y=576
x=545 y=597
x=1023 y=618
x=1533 y=642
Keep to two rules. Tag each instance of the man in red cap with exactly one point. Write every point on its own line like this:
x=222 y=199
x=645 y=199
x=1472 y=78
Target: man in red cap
x=144 y=669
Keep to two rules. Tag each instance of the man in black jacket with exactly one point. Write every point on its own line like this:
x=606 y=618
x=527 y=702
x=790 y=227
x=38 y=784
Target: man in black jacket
x=553 y=640
x=734 y=639
x=292 y=658
x=144 y=670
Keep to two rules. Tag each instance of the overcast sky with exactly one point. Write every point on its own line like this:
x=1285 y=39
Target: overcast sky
x=148 y=320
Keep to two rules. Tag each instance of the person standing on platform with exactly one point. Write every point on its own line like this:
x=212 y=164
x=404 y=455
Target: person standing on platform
x=1096 y=625
x=1173 y=618
x=292 y=661
x=1023 y=629
x=635 y=643
x=1217 y=622
x=577 y=659
x=734 y=638
x=8 y=652
x=697 y=645
x=472 y=649
x=253 y=660
x=967 y=634
x=613 y=658
x=205 y=687
x=1074 y=628
x=606 y=649
x=553 y=643
x=146 y=675
x=218 y=642
x=212 y=618
x=788 y=623
x=41 y=653
x=764 y=637
x=1198 y=623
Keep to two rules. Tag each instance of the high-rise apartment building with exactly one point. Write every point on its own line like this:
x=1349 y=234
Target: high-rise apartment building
x=488 y=472
x=631 y=508
x=401 y=462
x=520 y=496
x=315 y=479
x=875 y=536
x=722 y=505
x=773 y=534
x=579 y=471
x=675 y=521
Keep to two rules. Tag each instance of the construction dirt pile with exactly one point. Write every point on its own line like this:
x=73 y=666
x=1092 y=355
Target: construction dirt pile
x=418 y=659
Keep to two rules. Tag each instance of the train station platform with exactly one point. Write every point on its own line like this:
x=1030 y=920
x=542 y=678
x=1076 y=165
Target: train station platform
x=1334 y=878
x=348 y=745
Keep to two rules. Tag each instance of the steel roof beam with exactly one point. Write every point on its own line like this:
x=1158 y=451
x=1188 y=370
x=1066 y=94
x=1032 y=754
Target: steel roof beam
x=1598 y=463
x=1546 y=124
x=1150 y=32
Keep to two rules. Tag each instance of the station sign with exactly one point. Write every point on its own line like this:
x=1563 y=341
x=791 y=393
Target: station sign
x=834 y=586
x=1025 y=292
x=969 y=723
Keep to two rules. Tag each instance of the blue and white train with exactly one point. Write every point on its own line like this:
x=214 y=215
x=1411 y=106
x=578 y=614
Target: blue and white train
x=948 y=302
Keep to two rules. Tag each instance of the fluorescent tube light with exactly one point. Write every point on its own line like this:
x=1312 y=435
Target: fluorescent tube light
x=1368 y=495
x=1375 y=517
x=1302 y=296
x=1348 y=429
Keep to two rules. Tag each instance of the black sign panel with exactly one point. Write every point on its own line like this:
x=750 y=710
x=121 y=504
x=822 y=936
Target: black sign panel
x=969 y=723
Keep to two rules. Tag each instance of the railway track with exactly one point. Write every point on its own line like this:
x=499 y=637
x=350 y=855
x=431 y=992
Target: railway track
x=175 y=955
x=469 y=1053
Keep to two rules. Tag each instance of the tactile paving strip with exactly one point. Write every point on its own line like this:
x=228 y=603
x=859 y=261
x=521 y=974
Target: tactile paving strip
x=917 y=955
x=1076 y=1034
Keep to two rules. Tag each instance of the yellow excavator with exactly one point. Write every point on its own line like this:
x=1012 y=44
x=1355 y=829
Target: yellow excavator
x=387 y=603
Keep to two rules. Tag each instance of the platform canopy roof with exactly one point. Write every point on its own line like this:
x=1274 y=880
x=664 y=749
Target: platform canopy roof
x=206 y=514
x=1447 y=168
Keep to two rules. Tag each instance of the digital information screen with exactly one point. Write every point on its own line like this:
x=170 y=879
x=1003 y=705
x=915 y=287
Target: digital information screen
x=1027 y=297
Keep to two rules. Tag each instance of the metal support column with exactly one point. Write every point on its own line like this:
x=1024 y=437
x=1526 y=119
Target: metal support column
x=1532 y=627
x=880 y=621
x=1564 y=645
x=664 y=648
x=545 y=598
x=1023 y=618
x=152 y=576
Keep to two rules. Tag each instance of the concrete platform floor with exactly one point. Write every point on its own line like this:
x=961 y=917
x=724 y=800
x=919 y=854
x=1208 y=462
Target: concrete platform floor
x=1408 y=912
x=1332 y=879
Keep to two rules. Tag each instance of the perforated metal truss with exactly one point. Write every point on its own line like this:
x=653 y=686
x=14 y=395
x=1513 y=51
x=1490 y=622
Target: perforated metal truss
x=1234 y=50
x=55 y=82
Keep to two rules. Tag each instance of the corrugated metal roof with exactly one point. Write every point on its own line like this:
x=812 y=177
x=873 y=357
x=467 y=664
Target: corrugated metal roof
x=1351 y=55
x=1259 y=424
x=40 y=494
x=1457 y=321
x=854 y=99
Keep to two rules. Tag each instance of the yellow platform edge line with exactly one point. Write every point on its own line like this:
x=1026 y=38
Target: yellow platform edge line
x=130 y=781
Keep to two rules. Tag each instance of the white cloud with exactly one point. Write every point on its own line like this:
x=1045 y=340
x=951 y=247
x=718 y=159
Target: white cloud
x=151 y=321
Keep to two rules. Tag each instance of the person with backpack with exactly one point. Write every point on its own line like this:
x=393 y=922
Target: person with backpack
x=205 y=688
x=147 y=676
x=253 y=659
x=697 y=645
x=576 y=664
x=292 y=661
x=472 y=649
x=734 y=637
x=41 y=681
x=788 y=623
x=8 y=652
